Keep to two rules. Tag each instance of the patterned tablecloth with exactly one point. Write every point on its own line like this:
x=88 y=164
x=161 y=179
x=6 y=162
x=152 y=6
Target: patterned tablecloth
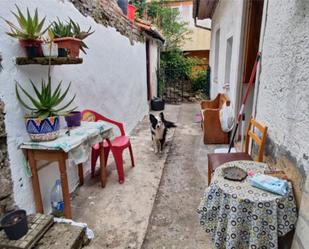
x=78 y=143
x=240 y=216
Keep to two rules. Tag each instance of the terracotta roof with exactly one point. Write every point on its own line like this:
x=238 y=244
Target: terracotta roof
x=149 y=29
x=108 y=13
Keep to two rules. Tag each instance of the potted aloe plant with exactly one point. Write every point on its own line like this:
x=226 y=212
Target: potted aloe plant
x=42 y=123
x=29 y=31
x=69 y=36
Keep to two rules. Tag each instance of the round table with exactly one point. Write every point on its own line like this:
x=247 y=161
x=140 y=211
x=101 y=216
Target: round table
x=238 y=215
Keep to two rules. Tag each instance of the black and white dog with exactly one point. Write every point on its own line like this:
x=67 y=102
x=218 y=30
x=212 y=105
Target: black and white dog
x=159 y=127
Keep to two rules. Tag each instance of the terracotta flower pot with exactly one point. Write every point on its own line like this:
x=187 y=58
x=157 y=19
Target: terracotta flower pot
x=32 y=48
x=72 y=45
x=46 y=129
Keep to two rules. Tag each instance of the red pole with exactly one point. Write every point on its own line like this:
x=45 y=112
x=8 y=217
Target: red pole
x=240 y=113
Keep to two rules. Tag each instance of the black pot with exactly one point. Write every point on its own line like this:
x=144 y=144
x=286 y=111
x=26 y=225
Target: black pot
x=123 y=4
x=62 y=52
x=31 y=51
x=15 y=224
x=157 y=104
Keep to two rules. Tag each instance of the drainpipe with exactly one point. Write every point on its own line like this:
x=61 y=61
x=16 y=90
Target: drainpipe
x=200 y=26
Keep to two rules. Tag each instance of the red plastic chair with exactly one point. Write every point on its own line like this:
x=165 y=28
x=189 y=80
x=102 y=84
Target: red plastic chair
x=116 y=146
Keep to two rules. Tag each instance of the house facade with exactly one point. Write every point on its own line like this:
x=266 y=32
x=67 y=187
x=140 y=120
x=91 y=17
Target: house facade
x=112 y=80
x=197 y=43
x=279 y=30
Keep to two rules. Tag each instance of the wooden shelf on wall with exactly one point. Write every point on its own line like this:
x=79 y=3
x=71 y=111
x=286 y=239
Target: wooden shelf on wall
x=45 y=60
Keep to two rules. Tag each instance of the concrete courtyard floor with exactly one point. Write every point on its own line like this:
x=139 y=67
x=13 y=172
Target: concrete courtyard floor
x=156 y=206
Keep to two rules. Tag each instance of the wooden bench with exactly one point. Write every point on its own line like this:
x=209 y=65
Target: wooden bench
x=210 y=112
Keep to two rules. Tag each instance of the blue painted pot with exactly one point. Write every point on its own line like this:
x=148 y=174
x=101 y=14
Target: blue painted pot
x=123 y=4
x=46 y=129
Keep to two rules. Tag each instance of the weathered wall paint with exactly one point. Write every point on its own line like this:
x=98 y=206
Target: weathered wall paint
x=228 y=19
x=112 y=80
x=282 y=102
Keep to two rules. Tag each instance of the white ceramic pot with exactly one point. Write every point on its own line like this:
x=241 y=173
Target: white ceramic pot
x=50 y=49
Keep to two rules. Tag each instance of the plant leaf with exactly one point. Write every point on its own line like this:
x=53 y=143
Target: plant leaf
x=20 y=100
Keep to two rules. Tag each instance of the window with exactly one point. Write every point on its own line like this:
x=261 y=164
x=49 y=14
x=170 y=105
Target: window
x=228 y=60
x=217 y=46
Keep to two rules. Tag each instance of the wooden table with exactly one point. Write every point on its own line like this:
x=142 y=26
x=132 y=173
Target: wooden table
x=35 y=153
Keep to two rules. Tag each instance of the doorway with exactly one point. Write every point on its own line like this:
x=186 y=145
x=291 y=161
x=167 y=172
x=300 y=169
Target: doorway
x=253 y=13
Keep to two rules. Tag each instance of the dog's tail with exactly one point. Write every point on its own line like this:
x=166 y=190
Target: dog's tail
x=168 y=124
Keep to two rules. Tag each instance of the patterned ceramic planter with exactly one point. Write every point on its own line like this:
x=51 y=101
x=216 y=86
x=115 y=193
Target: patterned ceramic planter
x=43 y=129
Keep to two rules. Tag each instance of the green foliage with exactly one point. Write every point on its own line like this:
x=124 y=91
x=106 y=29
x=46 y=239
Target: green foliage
x=61 y=29
x=46 y=101
x=30 y=27
x=199 y=81
x=168 y=21
x=176 y=66
x=79 y=34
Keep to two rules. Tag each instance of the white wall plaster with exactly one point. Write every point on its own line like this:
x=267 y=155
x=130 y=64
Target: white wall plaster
x=227 y=18
x=153 y=67
x=111 y=80
x=282 y=102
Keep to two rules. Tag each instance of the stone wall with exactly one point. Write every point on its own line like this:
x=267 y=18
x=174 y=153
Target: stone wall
x=301 y=239
x=108 y=13
x=282 y=102
x=6 y=184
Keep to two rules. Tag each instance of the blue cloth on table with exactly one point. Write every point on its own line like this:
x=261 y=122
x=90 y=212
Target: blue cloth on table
x=269 y=183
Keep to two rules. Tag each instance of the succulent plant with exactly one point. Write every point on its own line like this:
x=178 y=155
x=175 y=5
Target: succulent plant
x=77 y=33
x=30 y=27
x=61 y=29
x=47 y=101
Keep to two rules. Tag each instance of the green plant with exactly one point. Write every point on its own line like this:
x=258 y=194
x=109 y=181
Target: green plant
x=79 y=34
x=30 y=28
x=167 y=19
x=199 y=81
x=46 y=102
x=61 y=29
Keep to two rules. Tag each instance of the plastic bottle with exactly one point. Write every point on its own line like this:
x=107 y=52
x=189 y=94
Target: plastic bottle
x=57 y=200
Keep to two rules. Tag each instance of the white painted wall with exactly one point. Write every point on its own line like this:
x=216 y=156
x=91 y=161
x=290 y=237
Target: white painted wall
x=283 y=98
x=227 y=18
x=154 y=47
x=112 y=80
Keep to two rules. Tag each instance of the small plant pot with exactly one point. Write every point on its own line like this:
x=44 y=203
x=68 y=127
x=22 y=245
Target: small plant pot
x=15 y=224
x=157 y=104
x=131 y=12
x=71 y=44
x=73 y=119
x=46 y=129
x=32 y=48
x=50 y=49
x=123 y=4
x=62 y=52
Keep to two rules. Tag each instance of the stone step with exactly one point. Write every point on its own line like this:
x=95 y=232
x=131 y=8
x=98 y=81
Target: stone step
x=63 y=236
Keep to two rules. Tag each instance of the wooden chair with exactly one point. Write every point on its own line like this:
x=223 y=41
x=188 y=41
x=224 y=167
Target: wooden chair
x=211 y=125
x=215 y=160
